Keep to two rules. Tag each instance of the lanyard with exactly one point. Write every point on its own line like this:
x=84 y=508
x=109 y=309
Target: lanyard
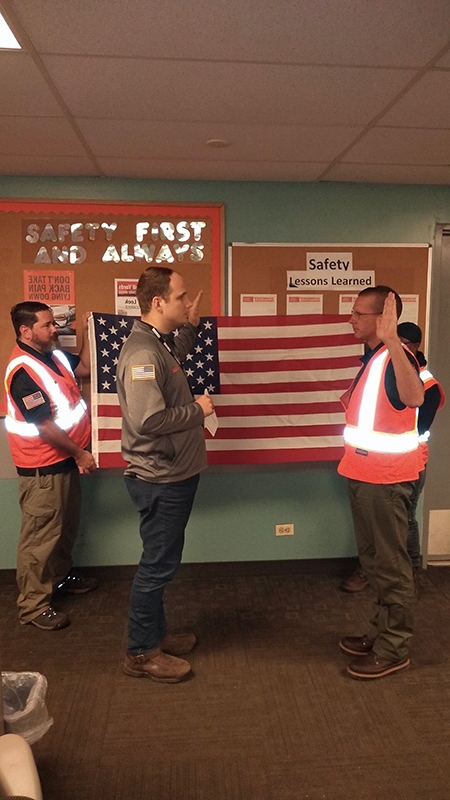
x=169 y=350
x=165 y=344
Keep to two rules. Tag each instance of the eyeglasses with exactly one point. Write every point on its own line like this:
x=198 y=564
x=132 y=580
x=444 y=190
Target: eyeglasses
x=358 y=314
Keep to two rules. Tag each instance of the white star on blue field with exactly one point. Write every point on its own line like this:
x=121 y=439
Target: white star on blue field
x=201 y=365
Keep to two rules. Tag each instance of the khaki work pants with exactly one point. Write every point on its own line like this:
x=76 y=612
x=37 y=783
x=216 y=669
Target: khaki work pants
x=50 y=517
x=380 y=518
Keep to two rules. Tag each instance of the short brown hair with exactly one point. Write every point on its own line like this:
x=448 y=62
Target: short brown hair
x=380 y=293
x=25 y=314
x=154 y=282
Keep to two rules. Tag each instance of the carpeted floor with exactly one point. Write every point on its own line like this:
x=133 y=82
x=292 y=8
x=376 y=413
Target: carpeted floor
x=269 y=713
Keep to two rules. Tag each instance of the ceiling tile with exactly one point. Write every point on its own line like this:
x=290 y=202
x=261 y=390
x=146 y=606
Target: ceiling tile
x=389 y=173
x=426 y=105
x=444 y=62
x=127 y=138
x=52 y=137
x=388 y=32
x=23 y=89
x=204 y=92
x=401 y=146
x=209 y=170
x=46 y=165
x=290 y=84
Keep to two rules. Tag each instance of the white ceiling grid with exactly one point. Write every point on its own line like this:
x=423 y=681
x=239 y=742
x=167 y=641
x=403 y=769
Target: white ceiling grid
x=304 y=90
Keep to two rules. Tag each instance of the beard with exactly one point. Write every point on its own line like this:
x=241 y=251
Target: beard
x=45 y=347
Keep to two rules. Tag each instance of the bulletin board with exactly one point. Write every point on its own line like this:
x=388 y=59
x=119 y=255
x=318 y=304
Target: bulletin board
x=98 y=242
x=328 y=270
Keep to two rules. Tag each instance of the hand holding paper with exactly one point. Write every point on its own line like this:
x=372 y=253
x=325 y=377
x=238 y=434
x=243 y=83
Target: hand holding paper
x=211 y=421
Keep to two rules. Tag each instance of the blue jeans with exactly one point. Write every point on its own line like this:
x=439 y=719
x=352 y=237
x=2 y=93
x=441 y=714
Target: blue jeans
x=164 y=510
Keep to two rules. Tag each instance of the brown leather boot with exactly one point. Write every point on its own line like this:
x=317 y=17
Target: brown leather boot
x=178 y=644
x=156 y=665
x=375 y=666
x=357 y=581
x=356 y=645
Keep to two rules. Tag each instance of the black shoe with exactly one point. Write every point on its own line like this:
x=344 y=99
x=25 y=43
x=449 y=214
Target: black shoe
x=77 y=584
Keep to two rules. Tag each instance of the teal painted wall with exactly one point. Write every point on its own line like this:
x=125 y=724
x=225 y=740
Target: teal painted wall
x=235 y=512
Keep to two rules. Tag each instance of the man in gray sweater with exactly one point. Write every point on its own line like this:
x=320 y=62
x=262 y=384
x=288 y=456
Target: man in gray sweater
x=163 y=444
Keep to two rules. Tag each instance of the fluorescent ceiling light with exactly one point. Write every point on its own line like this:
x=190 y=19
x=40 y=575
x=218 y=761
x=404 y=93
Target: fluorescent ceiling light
x=7 y=39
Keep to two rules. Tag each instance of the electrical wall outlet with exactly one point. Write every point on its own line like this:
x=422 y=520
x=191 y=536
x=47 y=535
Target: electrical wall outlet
x=284 y=530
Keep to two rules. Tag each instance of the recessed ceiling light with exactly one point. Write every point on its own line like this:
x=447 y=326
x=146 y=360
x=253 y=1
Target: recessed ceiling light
x=218 y=143
x=7 y=39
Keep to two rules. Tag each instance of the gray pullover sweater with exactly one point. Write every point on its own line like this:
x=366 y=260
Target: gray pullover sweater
x=162 y=430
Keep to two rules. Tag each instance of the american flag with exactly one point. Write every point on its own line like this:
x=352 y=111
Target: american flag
x=276 y=383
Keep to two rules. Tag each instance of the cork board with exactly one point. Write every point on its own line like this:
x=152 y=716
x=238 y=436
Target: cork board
x=99 y=242
x=326 y=269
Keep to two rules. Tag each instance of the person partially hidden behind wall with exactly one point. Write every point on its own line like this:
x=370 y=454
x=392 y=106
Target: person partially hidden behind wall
x=48 y=431
x=381 y=461
x=411 y=335
x=163 y=443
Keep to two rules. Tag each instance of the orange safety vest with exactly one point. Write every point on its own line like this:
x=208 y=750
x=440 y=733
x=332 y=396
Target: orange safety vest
x=68 y=410
x=428 y=381
x=381 y=442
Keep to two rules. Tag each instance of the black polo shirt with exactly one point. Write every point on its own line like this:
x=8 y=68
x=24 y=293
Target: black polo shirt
x=430 y=405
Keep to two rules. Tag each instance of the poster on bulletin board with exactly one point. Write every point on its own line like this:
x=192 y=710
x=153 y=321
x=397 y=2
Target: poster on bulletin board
x=326 y=278
x=41 y=242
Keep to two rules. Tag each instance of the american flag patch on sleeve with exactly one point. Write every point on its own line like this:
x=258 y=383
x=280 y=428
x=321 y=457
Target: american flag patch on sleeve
x=143 y=372
x=33 y=400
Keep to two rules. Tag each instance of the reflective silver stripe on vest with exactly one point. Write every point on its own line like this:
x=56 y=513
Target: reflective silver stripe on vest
x=22 y=428
x=66 y=417
x=381 y=442
x=39 y=369
x=363 y=435
x=61 y=356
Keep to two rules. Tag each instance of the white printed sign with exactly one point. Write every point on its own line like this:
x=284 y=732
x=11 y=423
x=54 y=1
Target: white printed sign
x=346 y=303
x=304 y=304
x=410 y=311
x=329 y=262
x=298 y=280
x=125 y=296
x=264 y=305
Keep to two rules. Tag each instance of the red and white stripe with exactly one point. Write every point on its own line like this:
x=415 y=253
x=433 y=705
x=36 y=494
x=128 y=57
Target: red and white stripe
x=281 y=379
